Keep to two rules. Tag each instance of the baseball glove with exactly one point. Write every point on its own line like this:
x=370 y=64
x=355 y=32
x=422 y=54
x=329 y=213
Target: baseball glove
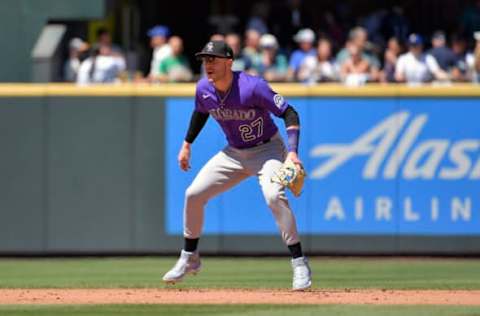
x=290 y=175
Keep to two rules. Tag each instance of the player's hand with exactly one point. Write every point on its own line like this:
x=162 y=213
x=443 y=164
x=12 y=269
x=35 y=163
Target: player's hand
x=184 y=156
x=293 y=156
x=291 y=174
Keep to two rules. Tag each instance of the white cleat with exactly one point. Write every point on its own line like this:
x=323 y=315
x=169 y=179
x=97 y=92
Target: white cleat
x=188 y=263
x=302 y=275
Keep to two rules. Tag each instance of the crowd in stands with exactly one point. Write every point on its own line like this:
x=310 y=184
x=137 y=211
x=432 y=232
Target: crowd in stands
x=358 y=61
x=103 y=62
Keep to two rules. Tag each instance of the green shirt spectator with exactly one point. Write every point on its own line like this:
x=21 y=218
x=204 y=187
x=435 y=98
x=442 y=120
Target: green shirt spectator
x=175 y=68
x=171 y=63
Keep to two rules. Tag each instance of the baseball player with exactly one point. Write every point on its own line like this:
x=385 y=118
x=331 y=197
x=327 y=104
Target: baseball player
x=241 y=104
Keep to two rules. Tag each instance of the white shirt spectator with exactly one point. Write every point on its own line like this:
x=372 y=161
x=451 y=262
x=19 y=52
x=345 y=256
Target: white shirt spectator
x=416 y=70
x=159 y=54
x=77 y=47
x=470 y=65
x=71 y=68
x=107 y=69
x=312 y=70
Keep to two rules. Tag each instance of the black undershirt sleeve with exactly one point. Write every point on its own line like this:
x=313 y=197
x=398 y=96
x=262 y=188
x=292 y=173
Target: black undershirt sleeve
x=197 y=122
x=290 y=116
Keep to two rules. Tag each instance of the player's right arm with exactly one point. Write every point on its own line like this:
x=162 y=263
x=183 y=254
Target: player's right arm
x=197 y=122
x=184 y=156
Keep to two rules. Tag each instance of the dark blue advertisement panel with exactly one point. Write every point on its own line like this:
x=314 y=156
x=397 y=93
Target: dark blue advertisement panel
x=376 y=166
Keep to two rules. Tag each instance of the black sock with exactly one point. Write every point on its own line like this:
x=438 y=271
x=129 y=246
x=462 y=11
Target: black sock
x=296 y=250
x=190 y=245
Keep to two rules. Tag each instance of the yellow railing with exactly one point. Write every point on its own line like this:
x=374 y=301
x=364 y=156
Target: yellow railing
x=287 y=89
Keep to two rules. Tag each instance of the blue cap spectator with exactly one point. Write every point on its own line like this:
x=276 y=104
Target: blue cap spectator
x=159 y=30
x=415 y=40
x=161 y=49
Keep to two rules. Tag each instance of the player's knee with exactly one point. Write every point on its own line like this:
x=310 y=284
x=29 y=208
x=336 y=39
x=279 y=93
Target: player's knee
x=193 y=195
x=273 y=198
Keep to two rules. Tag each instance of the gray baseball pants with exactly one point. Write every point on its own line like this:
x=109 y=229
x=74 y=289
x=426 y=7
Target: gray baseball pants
x=228 y=168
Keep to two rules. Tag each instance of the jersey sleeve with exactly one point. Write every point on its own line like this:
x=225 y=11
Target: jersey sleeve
x=199 y=107
x=268 y=99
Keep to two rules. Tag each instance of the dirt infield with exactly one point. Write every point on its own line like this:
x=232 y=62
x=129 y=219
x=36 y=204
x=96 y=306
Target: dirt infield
x=236 y=296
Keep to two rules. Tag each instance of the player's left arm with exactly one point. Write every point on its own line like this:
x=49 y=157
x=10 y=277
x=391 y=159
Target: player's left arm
x=277 y=105
x=292 y=174
x=292 y=123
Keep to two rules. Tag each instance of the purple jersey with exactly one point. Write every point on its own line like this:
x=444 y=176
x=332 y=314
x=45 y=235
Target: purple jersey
x=244 y=115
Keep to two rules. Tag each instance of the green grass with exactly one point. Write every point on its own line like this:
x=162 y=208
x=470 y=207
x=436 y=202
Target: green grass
x=239 y=310
x=241 y=273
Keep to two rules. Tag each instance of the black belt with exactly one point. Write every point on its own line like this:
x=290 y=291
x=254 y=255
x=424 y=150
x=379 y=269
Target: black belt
x=263 y=142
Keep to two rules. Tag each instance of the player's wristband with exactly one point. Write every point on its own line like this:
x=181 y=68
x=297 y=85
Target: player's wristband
x=293 y=137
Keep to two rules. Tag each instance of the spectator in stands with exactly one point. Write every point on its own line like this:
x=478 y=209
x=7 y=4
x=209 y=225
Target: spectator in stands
x=476 y=58
x=392 y=52
x=442 y=54
x=415 y=67
x=274 y=65
x=239 y=62
x=161 y=49
x=104 y=38
x=358 y=37
x=463 y=69
x=103 y=66
x=356 y=70
x=305 y=39
x=77 y=48
x=251 y=51
x=175 y=68
x=319 y=68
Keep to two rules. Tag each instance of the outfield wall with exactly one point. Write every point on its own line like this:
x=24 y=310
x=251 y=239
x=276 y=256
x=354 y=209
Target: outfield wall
x=22 y=22
x=392 y=169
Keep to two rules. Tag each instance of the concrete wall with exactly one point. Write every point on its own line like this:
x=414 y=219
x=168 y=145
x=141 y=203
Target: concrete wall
x=93 y=170
x=81 y=174
x=21 y=22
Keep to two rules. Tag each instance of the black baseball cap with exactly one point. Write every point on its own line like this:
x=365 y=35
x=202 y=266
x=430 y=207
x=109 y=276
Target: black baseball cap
x=217 y=49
